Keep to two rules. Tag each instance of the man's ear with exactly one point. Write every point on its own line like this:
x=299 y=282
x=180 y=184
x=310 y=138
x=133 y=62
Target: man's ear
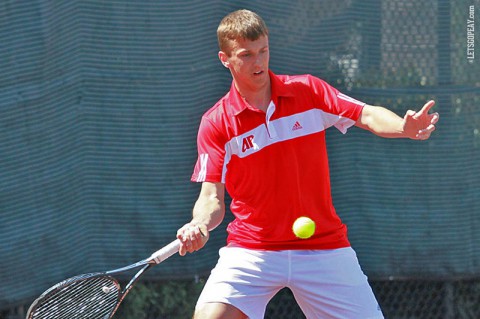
x=223 y=58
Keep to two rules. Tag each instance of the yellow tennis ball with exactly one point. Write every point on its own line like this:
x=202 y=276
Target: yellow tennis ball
x=303 y=227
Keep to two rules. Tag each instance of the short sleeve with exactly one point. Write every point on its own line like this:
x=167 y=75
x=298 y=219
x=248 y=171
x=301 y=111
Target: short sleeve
x=345 y=110
x=211 y=153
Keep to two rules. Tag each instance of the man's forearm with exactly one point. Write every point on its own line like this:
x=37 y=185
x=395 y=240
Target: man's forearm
x=209 y=209
x=209 y=212
x=381 y=122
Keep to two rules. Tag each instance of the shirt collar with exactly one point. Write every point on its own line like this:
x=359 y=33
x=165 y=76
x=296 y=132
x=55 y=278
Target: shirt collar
x=238 y=104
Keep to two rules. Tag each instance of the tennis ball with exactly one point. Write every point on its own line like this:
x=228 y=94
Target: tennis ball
x=303 y=227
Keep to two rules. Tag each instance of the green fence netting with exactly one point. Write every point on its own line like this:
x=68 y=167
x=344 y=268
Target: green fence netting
x=100 y=102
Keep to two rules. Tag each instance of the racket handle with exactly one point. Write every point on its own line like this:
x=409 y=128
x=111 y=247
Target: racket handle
x=165 y=252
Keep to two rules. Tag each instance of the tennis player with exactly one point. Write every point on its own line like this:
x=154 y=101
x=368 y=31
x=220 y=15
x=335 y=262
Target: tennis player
x=264 y=142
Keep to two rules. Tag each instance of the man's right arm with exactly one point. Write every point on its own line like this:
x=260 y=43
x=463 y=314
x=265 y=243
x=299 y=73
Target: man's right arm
x=208 y=213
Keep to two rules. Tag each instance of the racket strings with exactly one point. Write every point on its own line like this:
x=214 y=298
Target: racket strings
x=90 y=298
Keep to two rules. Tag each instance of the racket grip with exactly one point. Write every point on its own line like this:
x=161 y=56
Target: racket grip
x=165 y=252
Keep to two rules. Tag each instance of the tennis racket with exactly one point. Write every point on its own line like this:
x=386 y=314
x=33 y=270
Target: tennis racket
x=93 y=295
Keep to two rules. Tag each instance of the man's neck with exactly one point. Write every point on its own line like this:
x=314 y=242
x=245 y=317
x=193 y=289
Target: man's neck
x=259 y=98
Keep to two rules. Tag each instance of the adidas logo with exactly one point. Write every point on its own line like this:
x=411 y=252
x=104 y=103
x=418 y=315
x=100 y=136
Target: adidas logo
x=296 y=126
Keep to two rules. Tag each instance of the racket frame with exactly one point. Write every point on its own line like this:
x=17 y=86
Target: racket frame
x=156 y=258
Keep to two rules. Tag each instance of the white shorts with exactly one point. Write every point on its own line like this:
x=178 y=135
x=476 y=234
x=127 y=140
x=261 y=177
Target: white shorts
x=325 y=283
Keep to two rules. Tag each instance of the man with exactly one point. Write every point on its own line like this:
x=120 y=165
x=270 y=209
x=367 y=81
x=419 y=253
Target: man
x=264 y=141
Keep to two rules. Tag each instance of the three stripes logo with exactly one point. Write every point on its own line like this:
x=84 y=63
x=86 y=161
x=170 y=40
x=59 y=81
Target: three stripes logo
x=348 y=99
x=297 y=126
x=202 y=174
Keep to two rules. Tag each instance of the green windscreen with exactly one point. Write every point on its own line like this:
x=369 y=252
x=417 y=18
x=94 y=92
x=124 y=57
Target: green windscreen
x=100 y=103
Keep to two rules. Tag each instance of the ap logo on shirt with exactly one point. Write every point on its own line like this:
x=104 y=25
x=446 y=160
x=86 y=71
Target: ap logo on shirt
x=248 y=143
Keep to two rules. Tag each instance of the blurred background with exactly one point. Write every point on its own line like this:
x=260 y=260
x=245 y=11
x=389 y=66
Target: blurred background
x=100 y=103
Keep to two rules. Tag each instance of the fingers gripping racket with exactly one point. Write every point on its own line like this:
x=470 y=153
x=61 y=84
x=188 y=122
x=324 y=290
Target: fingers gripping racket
x=94 y=295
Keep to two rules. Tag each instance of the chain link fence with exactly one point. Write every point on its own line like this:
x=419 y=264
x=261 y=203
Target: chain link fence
x=399 y=299
x=405 y=299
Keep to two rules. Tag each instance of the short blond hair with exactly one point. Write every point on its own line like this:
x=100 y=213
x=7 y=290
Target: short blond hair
x=243 y=24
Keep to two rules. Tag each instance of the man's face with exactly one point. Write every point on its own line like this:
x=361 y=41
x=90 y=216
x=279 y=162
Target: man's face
x=248 y=62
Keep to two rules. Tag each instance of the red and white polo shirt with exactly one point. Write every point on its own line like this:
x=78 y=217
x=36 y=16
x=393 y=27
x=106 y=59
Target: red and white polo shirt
x=274 y=165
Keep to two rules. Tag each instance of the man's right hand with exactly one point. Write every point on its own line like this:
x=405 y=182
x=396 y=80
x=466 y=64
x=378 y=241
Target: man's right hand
x=192 y=237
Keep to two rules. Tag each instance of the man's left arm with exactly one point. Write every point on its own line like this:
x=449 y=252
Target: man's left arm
x=383 y=122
